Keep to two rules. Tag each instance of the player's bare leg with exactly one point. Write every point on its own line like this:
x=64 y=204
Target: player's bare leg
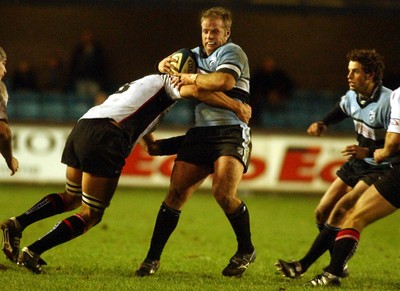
x=96 y=196
x=185 y=179
x=228 y=172
x=51 y=204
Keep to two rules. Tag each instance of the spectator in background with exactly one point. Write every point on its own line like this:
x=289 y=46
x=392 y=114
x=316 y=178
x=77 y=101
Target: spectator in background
x=5 y=132
x=100 y=97
x=270 y=87
x=54 y=75
x=24 y=78
x=88 y=65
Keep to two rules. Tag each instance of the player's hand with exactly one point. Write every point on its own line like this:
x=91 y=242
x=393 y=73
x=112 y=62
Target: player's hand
x=316 y=128
x=244 y=112
x=13 y=165
x=184 y=79
x=166 y=66
x=379 y=155
x=355 y=151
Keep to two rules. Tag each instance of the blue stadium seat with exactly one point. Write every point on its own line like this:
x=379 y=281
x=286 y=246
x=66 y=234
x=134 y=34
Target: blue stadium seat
x=27 y=105
x=53 y=107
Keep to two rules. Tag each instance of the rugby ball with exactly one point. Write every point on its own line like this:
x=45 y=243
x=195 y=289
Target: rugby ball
x=185 y=61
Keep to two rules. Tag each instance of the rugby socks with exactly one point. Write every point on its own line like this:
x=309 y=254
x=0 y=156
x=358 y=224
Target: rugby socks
x=62 y=232
x=240 y=221
x=321 y=244
x=345 y=246
x=50 y=205
x=167 y=220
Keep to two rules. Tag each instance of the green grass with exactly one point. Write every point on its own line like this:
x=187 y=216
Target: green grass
x=106 y=257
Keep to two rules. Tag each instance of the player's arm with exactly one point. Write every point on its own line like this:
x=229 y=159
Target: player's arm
x=161 y=147
x=6 y=147
x=392 y=146
x=334 y=116
x=216 y=81
x=217 y=99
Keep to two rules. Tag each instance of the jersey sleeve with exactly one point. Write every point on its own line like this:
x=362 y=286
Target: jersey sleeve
x=231 y=60
x=394 y=125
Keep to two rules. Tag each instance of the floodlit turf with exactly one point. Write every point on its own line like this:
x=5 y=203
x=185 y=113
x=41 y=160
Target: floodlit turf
x=106 y=257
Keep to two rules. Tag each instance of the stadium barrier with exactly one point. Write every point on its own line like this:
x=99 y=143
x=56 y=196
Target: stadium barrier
x=279 y=162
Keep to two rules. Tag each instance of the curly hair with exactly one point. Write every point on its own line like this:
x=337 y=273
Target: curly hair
x=371 y=61
x=221 y=12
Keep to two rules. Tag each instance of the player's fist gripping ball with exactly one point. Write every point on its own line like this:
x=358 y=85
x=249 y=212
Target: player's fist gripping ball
x=185 y=61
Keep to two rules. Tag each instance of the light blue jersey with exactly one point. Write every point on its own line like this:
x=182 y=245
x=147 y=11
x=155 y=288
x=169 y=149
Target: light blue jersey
x=371 y=118
x=229 y=58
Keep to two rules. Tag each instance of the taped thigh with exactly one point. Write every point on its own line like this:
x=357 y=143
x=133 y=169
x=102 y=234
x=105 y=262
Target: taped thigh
x=94 y=203
x=73 y=189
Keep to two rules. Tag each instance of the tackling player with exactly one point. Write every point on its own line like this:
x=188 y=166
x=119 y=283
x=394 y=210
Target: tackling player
x=95 y=154
x=5 y=131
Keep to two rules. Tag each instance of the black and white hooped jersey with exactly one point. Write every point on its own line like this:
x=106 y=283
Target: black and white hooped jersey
x=3 y=101
x=138 y=106
x=371 y=119
x=229 y=58
x=394 y=125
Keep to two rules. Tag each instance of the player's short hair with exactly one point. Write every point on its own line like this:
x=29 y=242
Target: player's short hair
x=221 y=12
x=3 y=54
x=371 y=61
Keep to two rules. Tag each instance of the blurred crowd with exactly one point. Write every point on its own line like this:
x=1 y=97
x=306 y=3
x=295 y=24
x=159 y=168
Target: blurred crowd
x=84 y=74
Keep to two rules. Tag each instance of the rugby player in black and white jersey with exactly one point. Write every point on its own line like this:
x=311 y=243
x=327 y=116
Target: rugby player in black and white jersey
x=5 y=131
x=95 y=153
x=367 y=103
x=378 y=201
x=218 y=144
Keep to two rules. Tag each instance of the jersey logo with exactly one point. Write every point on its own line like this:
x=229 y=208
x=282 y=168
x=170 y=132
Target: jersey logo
x=212 y=62
x=372 y=116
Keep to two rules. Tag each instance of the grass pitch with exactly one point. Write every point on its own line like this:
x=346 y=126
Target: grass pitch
x=107 y=256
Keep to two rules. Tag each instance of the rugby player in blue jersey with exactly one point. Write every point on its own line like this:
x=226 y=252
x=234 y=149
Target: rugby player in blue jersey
x=367 y=103
x=378 y=201
x=218 y=144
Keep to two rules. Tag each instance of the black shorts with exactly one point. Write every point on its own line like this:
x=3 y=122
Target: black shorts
x=356 y=170
x=204 y=145
x=98 y=147
x=388 y=185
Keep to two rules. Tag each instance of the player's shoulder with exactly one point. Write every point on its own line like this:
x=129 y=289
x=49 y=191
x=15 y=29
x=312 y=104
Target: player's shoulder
x=233 y=47
x=396 y=94
x=386 y=92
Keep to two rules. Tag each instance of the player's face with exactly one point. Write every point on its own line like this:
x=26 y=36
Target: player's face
x=213 y=34
x=3 y=70
x=358 y=80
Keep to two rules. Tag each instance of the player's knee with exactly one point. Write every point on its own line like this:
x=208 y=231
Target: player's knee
x=320 y=216
x=93 y=209
x=175 y=198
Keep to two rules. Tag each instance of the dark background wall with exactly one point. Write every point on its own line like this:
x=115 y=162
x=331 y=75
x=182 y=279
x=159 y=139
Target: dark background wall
x=311 y=44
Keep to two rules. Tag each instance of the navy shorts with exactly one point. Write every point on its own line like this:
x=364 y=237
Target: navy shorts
x=98 y=147
x=204 y=145
x=356 y=170
x=388 y=185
